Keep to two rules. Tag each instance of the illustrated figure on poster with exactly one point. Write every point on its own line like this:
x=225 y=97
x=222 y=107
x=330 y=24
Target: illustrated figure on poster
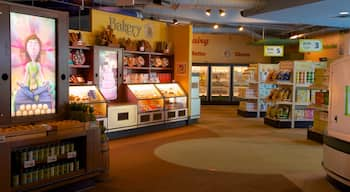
x=34 y=89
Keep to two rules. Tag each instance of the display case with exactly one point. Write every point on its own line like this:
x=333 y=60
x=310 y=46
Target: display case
x=108 y=70
x=175 y=101
x=238 y=80
x=150 y=103
x=220 y=83
x=89 y=94
x=203 y=80
x=80 y=65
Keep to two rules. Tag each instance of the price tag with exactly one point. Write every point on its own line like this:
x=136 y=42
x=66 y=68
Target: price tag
x=52 y=158
x=28 y=164
x=72 y=154
x=2 y=139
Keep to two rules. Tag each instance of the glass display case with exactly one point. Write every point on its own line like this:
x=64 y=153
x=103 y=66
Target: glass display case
x=220 y=83
x=237 y=79
x=90 y=95
x=175 y=101
x=108 y=65
x=150 y=103
x=203 y=80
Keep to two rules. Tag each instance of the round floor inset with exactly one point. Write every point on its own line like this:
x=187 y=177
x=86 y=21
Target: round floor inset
x=250 y=155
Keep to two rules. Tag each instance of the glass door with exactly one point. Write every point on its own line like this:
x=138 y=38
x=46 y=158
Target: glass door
x=203 y=81
x=220 y=83
x=238 y=81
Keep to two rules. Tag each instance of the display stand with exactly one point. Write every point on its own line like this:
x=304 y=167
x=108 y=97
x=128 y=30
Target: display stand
x=252 y=102
x=291 y=111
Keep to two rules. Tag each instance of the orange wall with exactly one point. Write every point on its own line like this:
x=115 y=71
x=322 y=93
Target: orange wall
x=332 y=47
x=181 y=36
x=226 y=48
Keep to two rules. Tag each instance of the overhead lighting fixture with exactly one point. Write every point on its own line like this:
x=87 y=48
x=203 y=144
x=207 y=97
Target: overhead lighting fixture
x=175 y=21
x=216 y=26
x=208 y=12
x=241 y=28
x=222 y=12
x=296 y=36
x=343 y=13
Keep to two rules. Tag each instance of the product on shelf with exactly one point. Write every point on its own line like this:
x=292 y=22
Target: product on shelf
x=247 y=106
x=278 y=112
x=302 y=96
x=280 y=94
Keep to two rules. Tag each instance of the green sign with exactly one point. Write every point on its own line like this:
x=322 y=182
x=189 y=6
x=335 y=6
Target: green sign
x=273 y=51
x=310 y=45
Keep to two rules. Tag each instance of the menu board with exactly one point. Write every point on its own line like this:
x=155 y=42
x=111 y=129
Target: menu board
x=33 y=65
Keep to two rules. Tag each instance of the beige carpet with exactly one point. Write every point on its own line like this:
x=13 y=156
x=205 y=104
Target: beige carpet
x=223 y=153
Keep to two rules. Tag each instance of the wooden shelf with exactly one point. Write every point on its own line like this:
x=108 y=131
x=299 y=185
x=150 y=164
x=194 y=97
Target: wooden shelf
x=80 y=66
x=146 y=53
x=162 y=68
x=136 y=68
x=318 y=107
x=79 y=47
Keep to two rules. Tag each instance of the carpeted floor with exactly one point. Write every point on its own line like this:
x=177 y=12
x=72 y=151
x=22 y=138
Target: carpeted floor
x=222 y=152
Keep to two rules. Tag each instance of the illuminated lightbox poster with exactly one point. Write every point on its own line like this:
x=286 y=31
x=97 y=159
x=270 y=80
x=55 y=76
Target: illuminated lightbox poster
x=108 y=74
x=33 y=65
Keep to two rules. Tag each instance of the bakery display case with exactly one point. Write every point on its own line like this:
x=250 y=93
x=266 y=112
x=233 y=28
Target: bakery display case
x=175 y=101
x=89 y=94
x=150 y=103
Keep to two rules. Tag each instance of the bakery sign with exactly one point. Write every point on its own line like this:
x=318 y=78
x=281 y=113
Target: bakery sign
x=123 y=26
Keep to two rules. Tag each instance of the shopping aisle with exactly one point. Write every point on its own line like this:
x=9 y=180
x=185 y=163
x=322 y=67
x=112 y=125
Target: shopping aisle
x=222 y=153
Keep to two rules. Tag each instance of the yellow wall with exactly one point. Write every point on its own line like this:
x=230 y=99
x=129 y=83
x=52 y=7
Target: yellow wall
x=225 y=48
x=129 y=27
x=181 y=36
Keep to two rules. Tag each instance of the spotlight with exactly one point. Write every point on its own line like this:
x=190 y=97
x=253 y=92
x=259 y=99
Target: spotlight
x=208 y=12
x=175 y=21
x=216 y=26
x=222 y=12
x=241 y=28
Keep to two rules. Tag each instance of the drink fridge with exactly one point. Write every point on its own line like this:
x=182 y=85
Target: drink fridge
x=219 y=83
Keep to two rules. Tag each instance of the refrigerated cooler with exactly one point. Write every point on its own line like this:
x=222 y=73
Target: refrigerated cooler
x=175 y=101
x=203 y=72
x=195 y=101
x=218 y=84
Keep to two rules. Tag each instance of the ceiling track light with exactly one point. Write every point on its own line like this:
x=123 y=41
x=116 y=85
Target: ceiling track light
x=216 y=26
x=241 y=28
x=208 y=12
x=175 y=21
x=222 y=12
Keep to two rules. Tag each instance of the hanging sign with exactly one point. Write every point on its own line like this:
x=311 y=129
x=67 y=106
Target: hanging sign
x=310 y=45
x=273 y=51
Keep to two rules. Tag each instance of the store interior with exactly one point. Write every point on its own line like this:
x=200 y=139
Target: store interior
x=240 y=95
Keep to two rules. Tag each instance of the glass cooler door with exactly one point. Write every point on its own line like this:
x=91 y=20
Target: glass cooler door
x=203 y=81
x=238 y=81
x=220 y=83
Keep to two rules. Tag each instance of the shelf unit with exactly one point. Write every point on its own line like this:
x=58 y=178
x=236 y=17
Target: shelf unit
x=80 y=72
x=319 y=103
x=301 y=77
x=147 y=67
x=257 y=90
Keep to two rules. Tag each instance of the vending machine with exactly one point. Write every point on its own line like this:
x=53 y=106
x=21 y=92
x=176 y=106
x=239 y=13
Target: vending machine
x=336 y=157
